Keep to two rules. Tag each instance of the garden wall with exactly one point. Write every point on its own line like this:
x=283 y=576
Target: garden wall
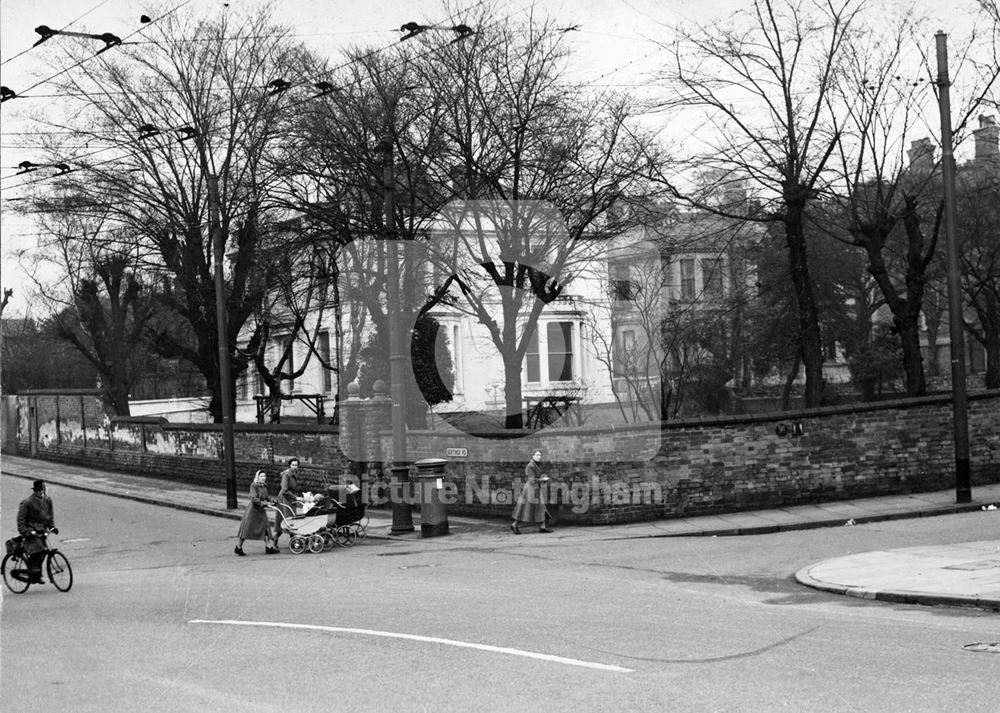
x=699 y=467
x=71 y=427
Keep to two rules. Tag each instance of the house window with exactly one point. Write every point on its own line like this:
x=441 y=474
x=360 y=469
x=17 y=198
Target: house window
x=326 y=372
x=243 y=385
x=556 y=346
x=626 y=347
x=687 y=279
x=531 y=360
x=456 y=358
x=560 y=336
x=623 y=289
x=711 y=275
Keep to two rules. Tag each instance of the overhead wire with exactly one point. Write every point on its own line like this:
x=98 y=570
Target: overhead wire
x=332 y=70
x=68 y=24
x=90 y=57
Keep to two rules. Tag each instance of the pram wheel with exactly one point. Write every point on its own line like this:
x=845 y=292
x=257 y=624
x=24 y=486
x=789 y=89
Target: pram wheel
x=359 y=529
x=329 y=540
x=297 y=544
x=346 y=536
x=316 y=544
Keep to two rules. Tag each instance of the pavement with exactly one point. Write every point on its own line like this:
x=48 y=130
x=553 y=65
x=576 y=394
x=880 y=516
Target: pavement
x=962 y=575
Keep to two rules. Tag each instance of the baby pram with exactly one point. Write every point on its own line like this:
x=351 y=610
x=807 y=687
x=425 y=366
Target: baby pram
x=322 y=521
x=307 y=530
x=346 y=510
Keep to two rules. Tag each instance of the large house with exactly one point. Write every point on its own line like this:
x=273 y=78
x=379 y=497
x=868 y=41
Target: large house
x=592 y=352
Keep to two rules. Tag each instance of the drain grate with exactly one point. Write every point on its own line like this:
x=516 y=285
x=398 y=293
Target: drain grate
x=992 y=647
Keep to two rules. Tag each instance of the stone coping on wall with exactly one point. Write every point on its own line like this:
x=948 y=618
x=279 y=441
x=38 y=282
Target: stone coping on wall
x=148 y=420
x=241 y=427
x=701 y=422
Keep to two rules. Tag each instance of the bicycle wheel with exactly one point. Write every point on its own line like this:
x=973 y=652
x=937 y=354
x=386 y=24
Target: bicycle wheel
x=15 y=573
x=316 y=544
x=297 y=545
x=60 y=573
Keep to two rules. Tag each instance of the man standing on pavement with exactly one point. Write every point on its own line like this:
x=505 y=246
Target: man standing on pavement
x=34 y=518
x=290 y=490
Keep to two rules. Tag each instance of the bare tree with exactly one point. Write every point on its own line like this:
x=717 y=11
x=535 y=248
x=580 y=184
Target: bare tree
x=97 y=301
x=891 y=203
x=289 y=322
x=191 y=102
x=764 y=83
x=333 y=175
x=538 y=169
x=112 y=310
x=490 y=118
x=979 y=225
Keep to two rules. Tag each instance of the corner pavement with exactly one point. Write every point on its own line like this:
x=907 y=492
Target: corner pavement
x=966 y=574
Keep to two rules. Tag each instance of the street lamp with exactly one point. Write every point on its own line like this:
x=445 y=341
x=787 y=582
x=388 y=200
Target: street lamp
x=185 y=133
x=959 y=399
x=222 y=328
x=402 y=518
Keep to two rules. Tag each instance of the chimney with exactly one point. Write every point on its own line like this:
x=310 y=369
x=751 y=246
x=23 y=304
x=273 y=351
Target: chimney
x=987 y=136
x=921 y=155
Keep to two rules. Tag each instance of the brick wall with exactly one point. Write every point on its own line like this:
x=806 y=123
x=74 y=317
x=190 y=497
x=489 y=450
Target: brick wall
x=698 y=467
x=731 y=464
x=72 y=428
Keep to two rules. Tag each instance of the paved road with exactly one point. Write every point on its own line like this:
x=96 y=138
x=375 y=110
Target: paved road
x=502 y=623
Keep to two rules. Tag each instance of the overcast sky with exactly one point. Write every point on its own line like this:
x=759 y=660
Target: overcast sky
x=615 y=45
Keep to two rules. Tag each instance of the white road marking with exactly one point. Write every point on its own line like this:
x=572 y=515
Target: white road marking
x=426 y=639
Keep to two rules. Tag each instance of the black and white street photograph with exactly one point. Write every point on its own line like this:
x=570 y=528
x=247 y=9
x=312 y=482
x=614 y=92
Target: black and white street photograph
x=636 y=355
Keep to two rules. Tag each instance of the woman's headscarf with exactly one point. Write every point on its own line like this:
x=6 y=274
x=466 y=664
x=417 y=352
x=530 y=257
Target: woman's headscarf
x=260 y=478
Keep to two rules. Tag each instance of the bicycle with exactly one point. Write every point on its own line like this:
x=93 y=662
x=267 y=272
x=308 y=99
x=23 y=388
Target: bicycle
x=17 y=576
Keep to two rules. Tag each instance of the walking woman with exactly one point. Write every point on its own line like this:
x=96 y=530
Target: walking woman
x=288 y=494
x=254 y=525
x=530 y=507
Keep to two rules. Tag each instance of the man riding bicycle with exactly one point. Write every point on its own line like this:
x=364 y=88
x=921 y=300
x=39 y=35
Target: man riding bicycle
x=34 y=519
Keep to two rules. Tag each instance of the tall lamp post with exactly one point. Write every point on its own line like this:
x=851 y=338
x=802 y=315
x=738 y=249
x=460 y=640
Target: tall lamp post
x=226 y=389
x=402 y=518
x=959 y=399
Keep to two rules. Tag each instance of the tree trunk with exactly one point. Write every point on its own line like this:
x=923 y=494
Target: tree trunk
x=908 y=327
x=810 y=340
x=514 y=418
x=786 y=392
x=115 y=397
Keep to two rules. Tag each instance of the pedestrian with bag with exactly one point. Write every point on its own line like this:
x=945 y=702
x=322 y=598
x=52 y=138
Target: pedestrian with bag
x=530 y=507
x=254 y=525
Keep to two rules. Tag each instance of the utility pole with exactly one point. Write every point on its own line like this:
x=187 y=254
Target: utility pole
x=402 y=518
x=226 y=388
x=959 y=398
